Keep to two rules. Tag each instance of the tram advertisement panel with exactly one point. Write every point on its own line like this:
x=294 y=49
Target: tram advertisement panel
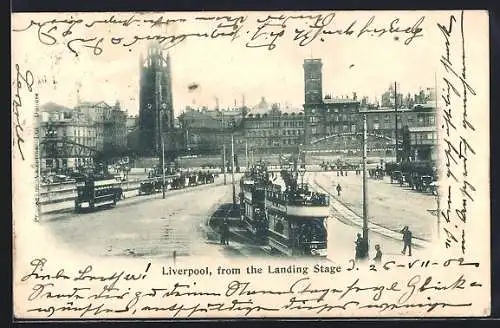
x=327 y=164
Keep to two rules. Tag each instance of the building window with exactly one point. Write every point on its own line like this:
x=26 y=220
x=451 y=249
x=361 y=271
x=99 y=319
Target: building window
x=313 y=130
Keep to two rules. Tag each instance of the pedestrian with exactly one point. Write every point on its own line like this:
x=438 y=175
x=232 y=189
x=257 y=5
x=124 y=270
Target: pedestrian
x=339 y=189
x=378 y=255
x=225 y=230
x=407 y=236
x=358 y=246
x=222 y=234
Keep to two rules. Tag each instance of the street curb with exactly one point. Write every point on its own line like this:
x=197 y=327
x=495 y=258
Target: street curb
x=371 y=226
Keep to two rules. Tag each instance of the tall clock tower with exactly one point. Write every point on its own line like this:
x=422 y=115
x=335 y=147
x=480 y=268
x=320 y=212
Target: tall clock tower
x=313 y=98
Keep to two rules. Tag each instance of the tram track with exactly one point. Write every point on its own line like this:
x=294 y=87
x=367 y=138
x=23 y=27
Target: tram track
x=350 y=217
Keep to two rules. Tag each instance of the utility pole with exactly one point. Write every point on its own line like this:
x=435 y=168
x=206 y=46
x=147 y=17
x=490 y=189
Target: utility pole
x=365 y=191
x=157 y=111
x=163 y=164
x=246 y=155
x=396 y=111
x=223 y=148
x=159 y=125
x=232 y=170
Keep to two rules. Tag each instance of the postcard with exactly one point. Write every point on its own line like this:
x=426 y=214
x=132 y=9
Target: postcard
x=286 y=164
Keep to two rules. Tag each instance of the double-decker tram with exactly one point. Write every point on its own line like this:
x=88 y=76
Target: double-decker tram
x=297 y=220
x=94 y=193
x=290 y=218
x=252 y=195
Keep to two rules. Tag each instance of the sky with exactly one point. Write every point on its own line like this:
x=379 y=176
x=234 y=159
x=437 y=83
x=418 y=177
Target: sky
x=228 y=70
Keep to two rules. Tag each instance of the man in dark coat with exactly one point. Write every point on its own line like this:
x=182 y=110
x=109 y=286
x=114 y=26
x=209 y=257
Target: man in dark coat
x=407 y=236
x=358 y=247
x=339 y=189
x=225 y=232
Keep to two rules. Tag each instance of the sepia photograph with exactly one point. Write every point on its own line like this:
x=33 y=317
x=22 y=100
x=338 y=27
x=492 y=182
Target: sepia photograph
x=332 y=146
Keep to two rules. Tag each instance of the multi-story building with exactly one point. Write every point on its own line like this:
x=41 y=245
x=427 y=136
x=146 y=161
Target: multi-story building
x=205 y=131
x=326 y=116
x=274 y=131
x=413 y=123
x=110 y=124
x=97 y=112
x=68 y=138
x=118 y=128
x=420 y=140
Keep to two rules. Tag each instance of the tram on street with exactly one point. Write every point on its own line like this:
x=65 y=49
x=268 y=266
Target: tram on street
x=290 y=219
x=94 y=193
x=297 y=220
x=252 y=195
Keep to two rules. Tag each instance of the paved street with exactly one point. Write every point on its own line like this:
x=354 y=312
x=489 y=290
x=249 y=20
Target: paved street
x=152 y=227
x=389 y=205
x=144 y=226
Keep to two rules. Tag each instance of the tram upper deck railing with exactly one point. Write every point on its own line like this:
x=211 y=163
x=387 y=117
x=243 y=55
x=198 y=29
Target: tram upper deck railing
x=297 y=198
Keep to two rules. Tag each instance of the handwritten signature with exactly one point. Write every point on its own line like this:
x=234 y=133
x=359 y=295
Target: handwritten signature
x=26 y=80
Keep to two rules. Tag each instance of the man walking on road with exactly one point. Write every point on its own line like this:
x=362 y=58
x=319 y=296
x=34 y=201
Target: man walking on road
x=339 y=189
x=407 y=236
x=225 y=232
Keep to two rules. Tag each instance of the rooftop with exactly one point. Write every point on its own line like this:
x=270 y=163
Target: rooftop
x=53 y=107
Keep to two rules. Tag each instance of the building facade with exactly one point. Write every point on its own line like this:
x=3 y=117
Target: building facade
x=110 y=123
x=274 y=131
x=412 y=124
x=156 y=114
x=206 y=131
x=68 y=139
x=325 y=116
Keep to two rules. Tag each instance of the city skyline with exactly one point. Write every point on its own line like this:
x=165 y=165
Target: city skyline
x=228 y=71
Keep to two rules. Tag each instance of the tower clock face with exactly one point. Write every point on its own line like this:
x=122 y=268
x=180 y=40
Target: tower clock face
x=150 y=106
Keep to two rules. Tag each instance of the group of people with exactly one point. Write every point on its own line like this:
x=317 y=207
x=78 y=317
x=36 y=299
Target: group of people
x=361 y=246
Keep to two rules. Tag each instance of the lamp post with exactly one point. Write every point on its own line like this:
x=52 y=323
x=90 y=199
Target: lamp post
x=232 y=171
